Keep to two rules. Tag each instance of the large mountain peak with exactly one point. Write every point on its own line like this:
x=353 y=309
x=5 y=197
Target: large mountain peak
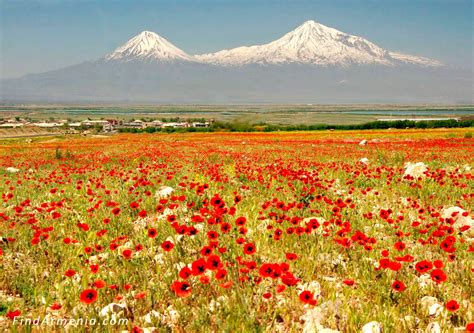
x=315 y=44
x=148 y=45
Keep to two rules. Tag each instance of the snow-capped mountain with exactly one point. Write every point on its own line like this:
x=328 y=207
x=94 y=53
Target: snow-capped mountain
x=315 y=44
x=150 y=47
x=311 y=64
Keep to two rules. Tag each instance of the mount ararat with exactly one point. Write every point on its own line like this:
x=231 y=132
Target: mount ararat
x=311 y=64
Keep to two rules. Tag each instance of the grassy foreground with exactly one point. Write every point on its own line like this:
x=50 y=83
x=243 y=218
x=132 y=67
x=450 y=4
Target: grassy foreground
x=277 y=232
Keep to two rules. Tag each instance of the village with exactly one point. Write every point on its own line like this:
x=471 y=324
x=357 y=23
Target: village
x=102 y=125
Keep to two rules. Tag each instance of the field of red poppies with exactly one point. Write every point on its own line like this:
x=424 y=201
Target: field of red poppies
x=276 y=232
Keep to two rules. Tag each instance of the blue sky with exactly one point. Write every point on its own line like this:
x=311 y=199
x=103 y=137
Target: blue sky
x=40 y=35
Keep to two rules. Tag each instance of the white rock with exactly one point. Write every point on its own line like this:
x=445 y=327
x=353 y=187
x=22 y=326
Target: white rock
x=435 y=310
x=112 y=310
x=363 y=143
x=415 y=169
x=459 y=220
x=12 y=169
x=312 y=320
x=364 y=160
x=164 y=192
x=372 y=327
x=431 y=305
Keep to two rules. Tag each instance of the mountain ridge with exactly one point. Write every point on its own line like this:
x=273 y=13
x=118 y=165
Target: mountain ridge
x=311 y=43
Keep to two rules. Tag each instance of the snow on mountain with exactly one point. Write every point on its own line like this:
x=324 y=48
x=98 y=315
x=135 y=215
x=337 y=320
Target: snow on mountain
x=415 y=60
x=148 y=46
x=315 y=44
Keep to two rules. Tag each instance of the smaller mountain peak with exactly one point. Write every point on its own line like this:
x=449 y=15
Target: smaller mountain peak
x=150 y=46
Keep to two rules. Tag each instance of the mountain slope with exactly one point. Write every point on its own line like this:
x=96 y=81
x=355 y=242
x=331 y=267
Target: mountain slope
x=148 y=46
x=315 y=44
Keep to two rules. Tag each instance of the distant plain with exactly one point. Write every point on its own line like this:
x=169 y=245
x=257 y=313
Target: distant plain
x=253 y=114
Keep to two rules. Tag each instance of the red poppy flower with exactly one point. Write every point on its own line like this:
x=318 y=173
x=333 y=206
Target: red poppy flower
x=99 y=284
x=289 y=279
x=267 y=295
x=140 y=295
x=13 y=314
x=221 y=274
x=423 y=266
x=185 y=272
x=167 y=246
x=181 y=288
x=240 y=221
x=398 y=286
x=249 y=248
x=152 y=233
x=349 y=282
x=280 y=288
x=70 y=273
x=55 y=306
x=438 y=264
x=88 y=296
x=470 y=327
x=204 y=279
x=438 y=276
x=452 y=305
x=399 y=246
x=206 y=250
x=127 y=253
x=213 y=262
x=198 y=267
x=307 y=297
x=226 y=285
